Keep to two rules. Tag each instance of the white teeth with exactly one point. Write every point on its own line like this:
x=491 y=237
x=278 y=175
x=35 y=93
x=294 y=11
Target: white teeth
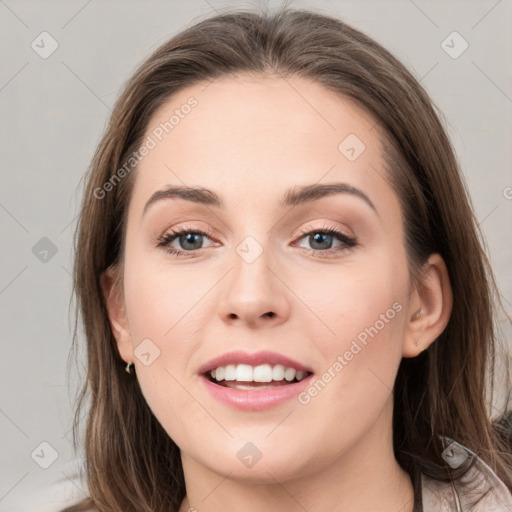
x=220 y=372
x=261 y=373
x=244 y=373
x=278 y=372
x=230 y=372
x=289 y=374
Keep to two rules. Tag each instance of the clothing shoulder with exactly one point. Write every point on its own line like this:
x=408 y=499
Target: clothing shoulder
x=479 y=490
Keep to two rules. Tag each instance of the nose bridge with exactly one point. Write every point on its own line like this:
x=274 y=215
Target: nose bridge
x=252 y=290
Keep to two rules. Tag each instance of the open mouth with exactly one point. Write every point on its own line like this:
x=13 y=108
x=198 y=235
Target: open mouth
x=247 y=377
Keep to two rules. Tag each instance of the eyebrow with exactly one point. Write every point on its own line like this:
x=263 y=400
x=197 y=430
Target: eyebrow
x=292 y=197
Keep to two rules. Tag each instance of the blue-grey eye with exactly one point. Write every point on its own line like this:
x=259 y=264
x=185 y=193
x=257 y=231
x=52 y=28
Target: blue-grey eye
x=324 y=240
x=194 y=239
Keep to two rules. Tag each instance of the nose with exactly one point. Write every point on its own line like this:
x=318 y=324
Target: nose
x=254 y=293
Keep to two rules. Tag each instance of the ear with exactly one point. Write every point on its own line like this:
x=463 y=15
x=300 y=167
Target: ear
x=430 y=305
x=110 y=283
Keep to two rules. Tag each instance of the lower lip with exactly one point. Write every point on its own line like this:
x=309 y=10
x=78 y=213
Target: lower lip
x=255 y=399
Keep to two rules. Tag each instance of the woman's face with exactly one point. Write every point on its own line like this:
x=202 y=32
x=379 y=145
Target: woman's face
x=267 y=283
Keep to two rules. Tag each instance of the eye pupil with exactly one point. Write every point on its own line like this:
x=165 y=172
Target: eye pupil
x=319 y=238
x=191 y=238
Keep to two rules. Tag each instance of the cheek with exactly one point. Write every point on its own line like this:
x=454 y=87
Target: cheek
x=361 y=348
x=162 y=310
x=361 y=302
x=162 y=301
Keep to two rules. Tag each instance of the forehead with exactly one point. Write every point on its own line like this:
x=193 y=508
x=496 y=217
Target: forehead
x=255 y=136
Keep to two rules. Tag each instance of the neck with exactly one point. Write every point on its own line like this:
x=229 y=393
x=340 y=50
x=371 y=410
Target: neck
x=365 y=478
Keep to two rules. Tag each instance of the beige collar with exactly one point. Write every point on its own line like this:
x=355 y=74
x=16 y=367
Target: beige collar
x=479 y=490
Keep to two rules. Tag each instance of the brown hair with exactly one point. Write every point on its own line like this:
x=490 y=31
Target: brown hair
x=131 y=462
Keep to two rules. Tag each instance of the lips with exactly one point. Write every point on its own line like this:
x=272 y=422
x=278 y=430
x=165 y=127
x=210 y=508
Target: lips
x=254 y=382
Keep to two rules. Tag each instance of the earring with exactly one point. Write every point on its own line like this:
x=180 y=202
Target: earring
x=129 y=367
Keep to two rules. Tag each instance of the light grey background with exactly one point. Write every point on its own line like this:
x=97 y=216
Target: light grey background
x=53 y=112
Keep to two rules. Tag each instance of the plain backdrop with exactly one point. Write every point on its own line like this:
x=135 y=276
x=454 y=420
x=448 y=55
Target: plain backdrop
x=53 y=109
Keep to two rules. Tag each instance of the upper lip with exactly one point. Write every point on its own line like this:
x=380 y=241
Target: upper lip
x=254 y=359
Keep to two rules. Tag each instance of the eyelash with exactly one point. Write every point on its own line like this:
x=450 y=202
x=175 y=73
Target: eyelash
x=349 y=242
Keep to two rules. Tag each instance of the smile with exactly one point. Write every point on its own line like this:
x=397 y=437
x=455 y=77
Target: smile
x=261 y=376
x=254 y=382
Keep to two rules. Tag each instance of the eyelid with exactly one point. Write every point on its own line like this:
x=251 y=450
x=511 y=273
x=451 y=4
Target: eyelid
x=178 y=231
x=325 y=227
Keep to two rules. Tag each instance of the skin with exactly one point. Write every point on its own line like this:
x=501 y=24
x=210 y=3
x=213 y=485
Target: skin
x=250 y=139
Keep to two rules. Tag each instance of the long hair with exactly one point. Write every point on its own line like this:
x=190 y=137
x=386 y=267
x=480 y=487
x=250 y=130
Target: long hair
x=131 y=462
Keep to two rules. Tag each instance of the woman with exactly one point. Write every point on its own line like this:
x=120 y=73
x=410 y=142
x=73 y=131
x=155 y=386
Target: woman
x=276 y=265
